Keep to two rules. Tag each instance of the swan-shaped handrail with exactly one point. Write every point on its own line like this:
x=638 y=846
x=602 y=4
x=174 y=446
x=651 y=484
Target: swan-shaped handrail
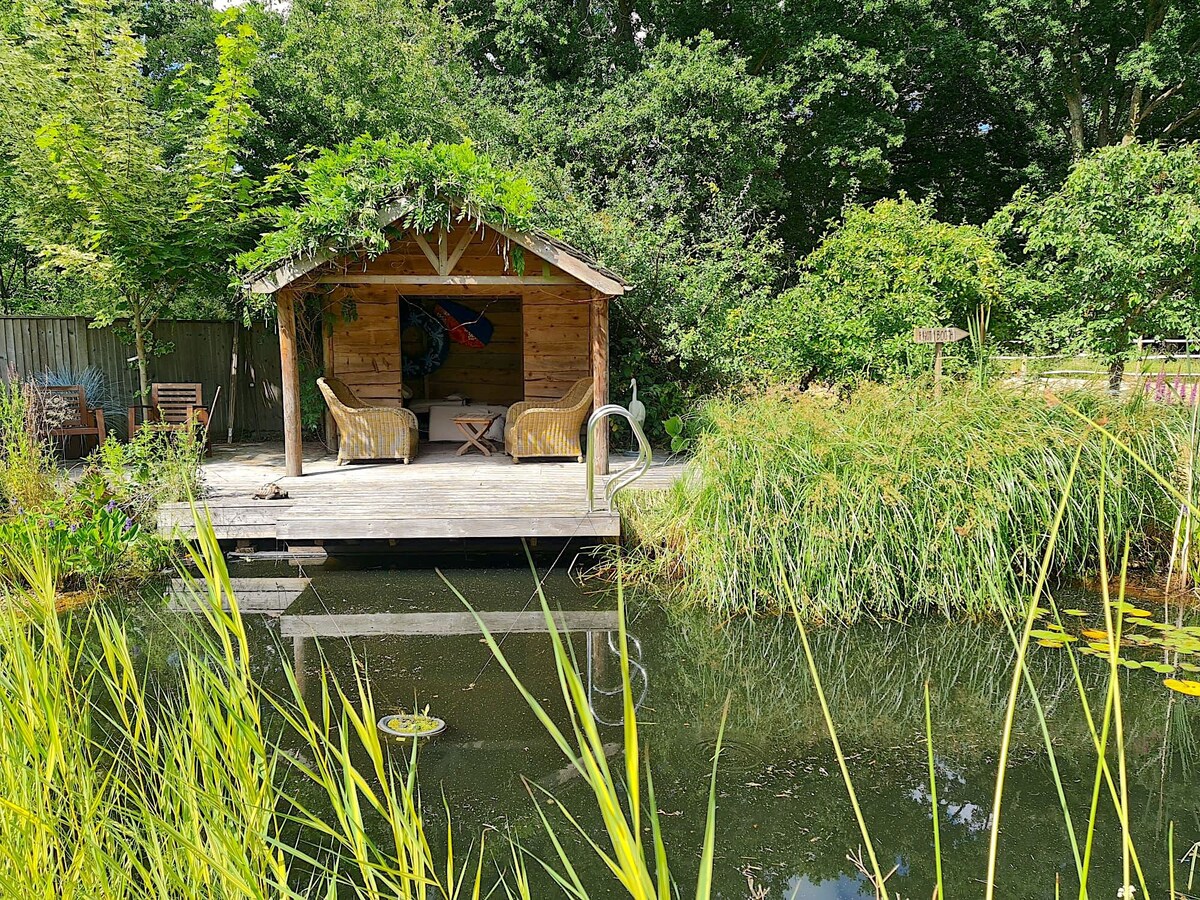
x=631 y=472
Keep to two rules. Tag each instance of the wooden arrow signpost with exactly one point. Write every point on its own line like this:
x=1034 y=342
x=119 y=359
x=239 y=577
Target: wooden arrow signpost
x=938 y=337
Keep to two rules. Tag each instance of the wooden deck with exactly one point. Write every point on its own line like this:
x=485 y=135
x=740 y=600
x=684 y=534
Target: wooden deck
x=440 y=495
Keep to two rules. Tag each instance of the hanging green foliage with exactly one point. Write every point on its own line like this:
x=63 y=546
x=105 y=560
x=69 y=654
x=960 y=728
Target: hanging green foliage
x=344 y=190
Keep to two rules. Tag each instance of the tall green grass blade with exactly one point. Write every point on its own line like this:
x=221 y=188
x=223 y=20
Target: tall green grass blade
x=1051 y=756
x=933 y=799
x=626 y=857
x=1171 y=895
x=704 y=878
x=1015 y=687
x=876 y=871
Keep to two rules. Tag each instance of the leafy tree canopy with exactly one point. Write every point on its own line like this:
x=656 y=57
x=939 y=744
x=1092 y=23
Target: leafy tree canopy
x=332 y=70
x=1116 y=250
x=145 y=206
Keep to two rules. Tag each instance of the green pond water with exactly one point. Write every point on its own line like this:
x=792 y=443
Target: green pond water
x=785 y=826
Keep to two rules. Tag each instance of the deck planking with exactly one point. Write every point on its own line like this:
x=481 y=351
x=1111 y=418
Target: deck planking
x=440 y=495
x=443 y=623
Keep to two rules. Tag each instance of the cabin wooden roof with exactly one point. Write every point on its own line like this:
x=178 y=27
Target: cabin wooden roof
x=570 y=260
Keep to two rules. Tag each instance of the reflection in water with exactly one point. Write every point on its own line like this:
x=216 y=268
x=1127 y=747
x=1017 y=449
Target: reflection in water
x=603 y=667
x=843 y=887
x=784 y=824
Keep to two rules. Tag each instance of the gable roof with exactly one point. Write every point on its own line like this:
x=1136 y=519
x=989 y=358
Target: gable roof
x=558 y=253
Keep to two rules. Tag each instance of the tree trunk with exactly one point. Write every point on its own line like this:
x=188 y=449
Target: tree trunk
x=139 y=340
x=1116 y=372
x=1078 y=135
x=1073 y=94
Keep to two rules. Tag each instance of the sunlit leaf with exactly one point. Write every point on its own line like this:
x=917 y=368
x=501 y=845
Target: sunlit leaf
x=1183 y=686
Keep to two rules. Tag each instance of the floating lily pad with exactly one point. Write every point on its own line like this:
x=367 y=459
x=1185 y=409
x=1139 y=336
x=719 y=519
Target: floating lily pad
x=1183 y=686
x=1054 y=637
x=1093 y=634
x=1130 y=663
x=1161 y=668
x=1078 y=613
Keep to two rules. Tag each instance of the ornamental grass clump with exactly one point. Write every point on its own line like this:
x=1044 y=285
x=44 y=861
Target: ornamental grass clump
x=895 y=502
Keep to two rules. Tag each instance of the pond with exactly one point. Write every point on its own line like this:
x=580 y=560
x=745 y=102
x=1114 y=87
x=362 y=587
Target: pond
x=785 y=827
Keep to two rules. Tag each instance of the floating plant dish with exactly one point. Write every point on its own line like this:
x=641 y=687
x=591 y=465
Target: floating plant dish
x=412 y=725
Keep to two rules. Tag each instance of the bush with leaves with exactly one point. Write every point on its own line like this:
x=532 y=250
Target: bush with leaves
x=669 y=175
x=28 y=475
x=886 y=269
x=157 y=465
x=96 y=542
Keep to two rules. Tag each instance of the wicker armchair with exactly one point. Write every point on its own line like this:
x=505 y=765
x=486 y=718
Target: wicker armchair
x=369 y=432
x=548 y=427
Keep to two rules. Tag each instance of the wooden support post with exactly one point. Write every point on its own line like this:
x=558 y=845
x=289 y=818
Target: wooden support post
x=231 y=403
x=937 y=369
x=289 y=367
x=599 y=332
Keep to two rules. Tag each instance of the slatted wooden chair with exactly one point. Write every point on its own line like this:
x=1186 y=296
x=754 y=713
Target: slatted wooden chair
x=73 y=417
x=178 y=406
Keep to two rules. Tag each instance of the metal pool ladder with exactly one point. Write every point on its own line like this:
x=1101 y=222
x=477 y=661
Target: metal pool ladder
x=627 y=475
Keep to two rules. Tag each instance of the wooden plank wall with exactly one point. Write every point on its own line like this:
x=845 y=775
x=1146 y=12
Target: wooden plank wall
x=200 y=351
x=542 y=343
x=363 y=351
x=541 y=347
x=557 y=341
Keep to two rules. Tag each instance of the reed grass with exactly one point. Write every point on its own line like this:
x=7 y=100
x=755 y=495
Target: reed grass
x=642 y=872
x=1113 y=712
x=895 y=502
x=113 y=789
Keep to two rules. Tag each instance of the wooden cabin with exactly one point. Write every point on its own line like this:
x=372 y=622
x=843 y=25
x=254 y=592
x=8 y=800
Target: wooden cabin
x=547 y=303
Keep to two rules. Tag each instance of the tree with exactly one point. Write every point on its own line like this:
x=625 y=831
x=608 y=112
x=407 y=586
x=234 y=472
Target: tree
x=887 y=269
x=332 y=70
x=1117 y=250
x=140 y=203
x=1095 y=73
x=670 y=175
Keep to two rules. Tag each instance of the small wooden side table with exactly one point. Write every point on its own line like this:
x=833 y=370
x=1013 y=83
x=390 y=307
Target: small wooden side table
x=474 y=428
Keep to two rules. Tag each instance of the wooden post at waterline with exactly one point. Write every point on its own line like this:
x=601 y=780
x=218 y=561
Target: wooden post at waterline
x=939 y=337
x=289 y=367
x=599 y=333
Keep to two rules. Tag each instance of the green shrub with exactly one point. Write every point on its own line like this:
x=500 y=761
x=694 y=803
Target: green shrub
x=28 y=475
x=894 y=502
x=1115 y=251
x=92 y=542
x=99 y=529
x=885 y=270
x=157 y=465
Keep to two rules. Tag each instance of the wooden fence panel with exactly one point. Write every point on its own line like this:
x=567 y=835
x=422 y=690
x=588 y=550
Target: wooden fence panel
x=198 y=351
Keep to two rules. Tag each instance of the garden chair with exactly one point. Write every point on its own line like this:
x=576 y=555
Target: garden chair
x=173 y=406
x=548 y=427
x=369 y=432
x=68 y=415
